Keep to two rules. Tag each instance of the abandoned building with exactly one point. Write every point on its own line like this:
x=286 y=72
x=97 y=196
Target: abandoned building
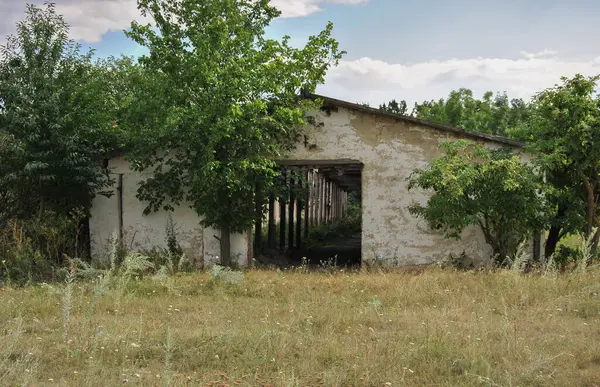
x=348 y=148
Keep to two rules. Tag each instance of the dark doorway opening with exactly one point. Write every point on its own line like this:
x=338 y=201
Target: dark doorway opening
x=313 y=217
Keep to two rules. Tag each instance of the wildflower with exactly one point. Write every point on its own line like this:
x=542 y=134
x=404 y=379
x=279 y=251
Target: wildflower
x=124 y=380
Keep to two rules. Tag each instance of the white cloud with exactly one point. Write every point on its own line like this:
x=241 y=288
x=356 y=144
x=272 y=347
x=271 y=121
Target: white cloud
x=375 y=81
x=89 y=19
x=300 y=8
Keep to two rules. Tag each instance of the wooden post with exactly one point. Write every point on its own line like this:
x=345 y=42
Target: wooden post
x=317 y=215
x=282 y=223
x=120 y=207
x=333 y=202
x=291 y=219
x=312 y=198
x=325 y=199
x=329 y=196
x=342 y=204
x=299 y=216
x=257 y=220
x=271 y=230
x=308 y=204
x=346 y=204
x=337 y=203
x=317 y=199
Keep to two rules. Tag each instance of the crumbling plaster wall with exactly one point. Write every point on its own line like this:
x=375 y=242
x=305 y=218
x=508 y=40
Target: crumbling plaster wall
x=390 y=150
x=145 y=232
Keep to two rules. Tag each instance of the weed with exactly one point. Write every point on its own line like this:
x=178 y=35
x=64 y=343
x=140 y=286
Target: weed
x=376 y=328
x=226 y=275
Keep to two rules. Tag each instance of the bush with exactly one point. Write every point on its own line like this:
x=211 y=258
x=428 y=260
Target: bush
x=31 y=250
x=490 y=189
x=345 y=229
x=566 y=255
x=328 y=233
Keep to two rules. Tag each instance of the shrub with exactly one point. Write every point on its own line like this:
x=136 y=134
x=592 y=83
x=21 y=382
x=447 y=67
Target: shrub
x=490 y=189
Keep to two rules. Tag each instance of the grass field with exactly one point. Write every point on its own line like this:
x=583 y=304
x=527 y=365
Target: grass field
x=297 y=329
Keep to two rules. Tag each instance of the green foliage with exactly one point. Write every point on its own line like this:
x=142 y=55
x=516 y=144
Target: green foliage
x=218 y=102
x=565 y=133
x=395 y=107
x=560 y=126
x=30 y=250
x=565 y=255
x=55 y=119
x=345 y=229
x=225 y=275
x=494 y=114
x=491 y=189
x=335 y=232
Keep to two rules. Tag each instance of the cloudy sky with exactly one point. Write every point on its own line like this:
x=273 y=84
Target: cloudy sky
x=413 y=50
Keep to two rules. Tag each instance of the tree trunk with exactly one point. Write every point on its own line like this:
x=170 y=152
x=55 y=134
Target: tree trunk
x=552 y=241
x=591 y=205
x=225 y=246
x=595 y=242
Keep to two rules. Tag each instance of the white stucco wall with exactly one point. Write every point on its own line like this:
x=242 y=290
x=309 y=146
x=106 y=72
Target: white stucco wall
x=145 y=232
x=390 y=150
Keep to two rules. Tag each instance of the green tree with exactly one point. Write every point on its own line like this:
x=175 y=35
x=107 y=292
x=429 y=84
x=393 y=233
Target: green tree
x=565 y=133
x=494 y=114
x=395 y=107
x=55 y=119
x=491 y=189
x=222 y=103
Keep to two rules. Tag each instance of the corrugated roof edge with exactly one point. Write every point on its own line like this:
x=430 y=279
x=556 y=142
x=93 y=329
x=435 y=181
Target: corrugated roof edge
x=417 y=121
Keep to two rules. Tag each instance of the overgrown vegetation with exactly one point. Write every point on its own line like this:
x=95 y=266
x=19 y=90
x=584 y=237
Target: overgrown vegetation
x=56 y=120
x=560 y=128
x=340 y=231
x=211 y=106
x=493 y=190
x=32 y=250
x=57 y=115
x=373 y=328
x=229 y=104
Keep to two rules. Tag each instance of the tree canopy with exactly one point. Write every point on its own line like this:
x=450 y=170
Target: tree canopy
x=56 y=119
x=395 y=107
x=565 y=134
x=225 y=103
x=494 y=114
x=560 y=127
x=491 y=189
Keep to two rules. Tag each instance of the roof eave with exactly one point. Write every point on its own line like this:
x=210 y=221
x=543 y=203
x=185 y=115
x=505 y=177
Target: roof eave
x=435 y=125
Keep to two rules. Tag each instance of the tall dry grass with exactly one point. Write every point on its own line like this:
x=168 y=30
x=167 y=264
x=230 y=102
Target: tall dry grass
x=297 y=329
